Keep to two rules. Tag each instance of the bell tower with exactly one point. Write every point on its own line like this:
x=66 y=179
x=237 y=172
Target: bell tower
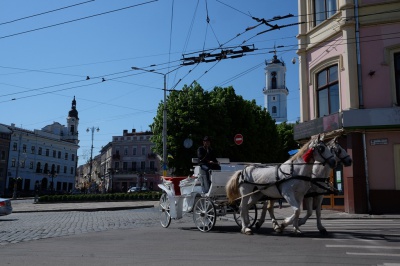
x=275 y=91
x=72 y=124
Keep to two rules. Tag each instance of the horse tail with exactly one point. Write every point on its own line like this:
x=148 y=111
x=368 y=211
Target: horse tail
x=232 y=187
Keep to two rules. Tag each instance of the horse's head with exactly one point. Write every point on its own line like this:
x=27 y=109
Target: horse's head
x=340 y=153
x=321 y=153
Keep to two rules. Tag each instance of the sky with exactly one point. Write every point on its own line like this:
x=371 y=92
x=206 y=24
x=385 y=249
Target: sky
x=49 y=48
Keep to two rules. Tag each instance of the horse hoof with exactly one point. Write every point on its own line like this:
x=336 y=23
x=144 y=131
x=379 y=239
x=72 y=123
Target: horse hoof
x=258 y=225
x=278 y=230
x=247 y=231
x=323 y=232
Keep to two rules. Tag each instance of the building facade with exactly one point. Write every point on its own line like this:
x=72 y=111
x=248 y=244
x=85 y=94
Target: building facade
x=349 y=56
x=45 y=159
x=128 y=161
x=275 y=91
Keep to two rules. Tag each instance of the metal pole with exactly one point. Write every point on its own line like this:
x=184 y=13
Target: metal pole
x=91 y=158
x=165 y=128
x=17 y=169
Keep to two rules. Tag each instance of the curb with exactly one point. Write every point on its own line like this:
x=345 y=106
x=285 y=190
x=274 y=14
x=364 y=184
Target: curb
x=88 y=209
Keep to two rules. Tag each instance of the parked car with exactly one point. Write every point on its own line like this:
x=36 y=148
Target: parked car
x=5 y=207
x=134 y=189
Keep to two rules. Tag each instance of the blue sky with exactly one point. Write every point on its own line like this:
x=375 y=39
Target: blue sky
x=45 y=58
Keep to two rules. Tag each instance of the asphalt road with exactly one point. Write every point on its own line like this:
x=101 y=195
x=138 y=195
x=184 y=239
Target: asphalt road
x=135 y=237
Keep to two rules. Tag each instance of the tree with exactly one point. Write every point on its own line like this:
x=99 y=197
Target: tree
x=287 y=142
x=221 y=114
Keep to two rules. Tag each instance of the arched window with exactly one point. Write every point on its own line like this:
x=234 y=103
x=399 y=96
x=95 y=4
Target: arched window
x=273 y=80
x=328 y=91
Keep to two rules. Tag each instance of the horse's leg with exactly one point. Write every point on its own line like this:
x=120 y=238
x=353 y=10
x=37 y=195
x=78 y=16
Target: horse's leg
x=294 y=219
x=275 y=225
x=318 y=202
x=308 y=203
x=261 y=220
x=244 y=216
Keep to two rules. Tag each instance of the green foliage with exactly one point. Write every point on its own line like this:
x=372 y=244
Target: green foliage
x=194 y=113
x=286 y=138
x=154 y=195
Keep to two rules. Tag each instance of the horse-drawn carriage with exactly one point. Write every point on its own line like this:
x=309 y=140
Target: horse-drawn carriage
x=237 y=188
x=183 y=195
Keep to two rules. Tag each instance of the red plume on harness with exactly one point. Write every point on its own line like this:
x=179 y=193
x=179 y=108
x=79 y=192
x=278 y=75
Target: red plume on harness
x=308 y=155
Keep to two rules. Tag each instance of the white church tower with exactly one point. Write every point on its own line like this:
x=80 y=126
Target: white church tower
x=275 y=91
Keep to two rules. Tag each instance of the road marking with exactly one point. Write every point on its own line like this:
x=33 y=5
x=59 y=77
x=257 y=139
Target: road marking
x=373 y=254
x=358 y=246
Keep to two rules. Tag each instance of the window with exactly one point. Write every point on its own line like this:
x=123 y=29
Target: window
x=323 y=9
x=54 y=154
x=72 y=157
x=397 y=76
x=142 y=165
x=47 y=152
x=40 y=151
x=125 y=166
x=116 y=165
x=274 y=109
x=65 y=169
x=13 y=163
x=3 y=155
x=273 y=80
x=59 y=155
x=58 y=169
x=144 y=150
x=72 y=171
x=14 y=146
x=134 y=151
x=328 y=91
x=33 y=149
x=66 y=156
x=152 y=165
x=24 y=148
x=126 y=151
x=134 y=166
x=22 y=164
x=31 y=165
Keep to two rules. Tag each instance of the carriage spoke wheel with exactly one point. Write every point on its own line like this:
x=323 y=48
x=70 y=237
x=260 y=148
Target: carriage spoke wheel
x=204 y=214
x=252 y=215
x=165 y=216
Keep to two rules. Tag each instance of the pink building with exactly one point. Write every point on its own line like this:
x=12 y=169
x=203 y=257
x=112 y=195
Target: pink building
x=349 y=56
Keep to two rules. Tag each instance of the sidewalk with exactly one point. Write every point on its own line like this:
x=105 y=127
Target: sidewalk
x=28 y=205
x=20 y=206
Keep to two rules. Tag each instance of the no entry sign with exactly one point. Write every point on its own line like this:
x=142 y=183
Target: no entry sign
x=238 y=139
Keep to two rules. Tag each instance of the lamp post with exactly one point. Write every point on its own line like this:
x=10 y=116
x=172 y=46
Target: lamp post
x=165 y=157
x=91 y=152
x=52 y=174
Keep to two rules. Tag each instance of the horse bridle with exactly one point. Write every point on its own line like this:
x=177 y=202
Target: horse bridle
x=321 y=149
x=338 y=152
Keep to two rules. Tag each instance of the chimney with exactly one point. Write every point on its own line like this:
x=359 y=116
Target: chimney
x=133 y=130
x=125 y=132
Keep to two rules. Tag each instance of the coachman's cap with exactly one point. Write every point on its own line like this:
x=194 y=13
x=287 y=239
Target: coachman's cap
x=206 y=138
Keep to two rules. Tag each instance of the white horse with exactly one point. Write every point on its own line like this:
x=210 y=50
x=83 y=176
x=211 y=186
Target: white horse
x=315 y=195
x=290 y=180
x=320 y=187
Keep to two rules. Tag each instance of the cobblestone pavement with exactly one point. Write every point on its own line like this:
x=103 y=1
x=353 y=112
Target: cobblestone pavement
x=20 y=227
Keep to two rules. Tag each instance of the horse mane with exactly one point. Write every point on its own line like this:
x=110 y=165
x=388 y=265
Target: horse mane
x=301 y=151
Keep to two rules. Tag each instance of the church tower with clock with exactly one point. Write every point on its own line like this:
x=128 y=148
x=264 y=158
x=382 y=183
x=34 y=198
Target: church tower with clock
x=72 y=124
x=275 y=91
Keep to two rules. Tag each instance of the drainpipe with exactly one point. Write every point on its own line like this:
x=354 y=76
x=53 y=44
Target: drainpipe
x=360 y=87
x=366 y=174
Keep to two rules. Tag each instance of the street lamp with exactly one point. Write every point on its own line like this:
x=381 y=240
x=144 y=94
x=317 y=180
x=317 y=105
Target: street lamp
x=165 y=157
x=91 y=151
x=52 y=174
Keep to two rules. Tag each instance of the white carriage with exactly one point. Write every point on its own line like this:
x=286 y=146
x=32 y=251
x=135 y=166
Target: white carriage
x=183 y=196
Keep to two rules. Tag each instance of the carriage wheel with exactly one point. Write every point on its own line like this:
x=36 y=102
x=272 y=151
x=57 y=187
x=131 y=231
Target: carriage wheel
x=165 y=216
x=252 y=215
x=204 y=214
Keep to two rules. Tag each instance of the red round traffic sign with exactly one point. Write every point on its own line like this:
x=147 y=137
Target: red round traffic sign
x=238 y=139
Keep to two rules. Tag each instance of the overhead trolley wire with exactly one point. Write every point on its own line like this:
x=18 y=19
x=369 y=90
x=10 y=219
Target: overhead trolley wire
x=78 y=19
x=46 y=12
